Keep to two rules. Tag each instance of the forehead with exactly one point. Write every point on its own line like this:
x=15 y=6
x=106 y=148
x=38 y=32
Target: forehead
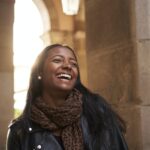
x=63 y=51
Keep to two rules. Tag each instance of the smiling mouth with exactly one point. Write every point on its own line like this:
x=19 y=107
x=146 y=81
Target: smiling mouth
x=64 y=76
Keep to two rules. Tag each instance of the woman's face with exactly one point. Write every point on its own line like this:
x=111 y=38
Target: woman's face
x=60 y=70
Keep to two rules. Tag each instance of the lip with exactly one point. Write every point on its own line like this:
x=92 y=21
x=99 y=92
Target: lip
x=66 y=75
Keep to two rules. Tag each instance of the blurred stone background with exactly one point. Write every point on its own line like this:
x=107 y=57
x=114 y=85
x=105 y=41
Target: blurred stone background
x=112 y=41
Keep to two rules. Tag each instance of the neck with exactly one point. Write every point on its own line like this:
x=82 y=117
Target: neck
x=54 y=99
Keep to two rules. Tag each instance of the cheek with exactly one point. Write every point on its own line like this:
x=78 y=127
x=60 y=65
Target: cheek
x=48 y=71
x=50 y=68
x=76 y=73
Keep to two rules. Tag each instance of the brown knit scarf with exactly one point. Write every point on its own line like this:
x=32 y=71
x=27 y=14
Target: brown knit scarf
x=65 y=118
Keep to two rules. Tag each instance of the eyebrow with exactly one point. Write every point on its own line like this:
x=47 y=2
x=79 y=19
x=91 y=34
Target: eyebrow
x=71 y=58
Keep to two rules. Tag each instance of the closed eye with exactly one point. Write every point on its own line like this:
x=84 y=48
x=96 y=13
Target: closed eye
x=57 y=60
x=74 y=64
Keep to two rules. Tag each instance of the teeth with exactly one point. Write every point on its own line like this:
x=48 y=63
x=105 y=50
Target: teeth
x=64 y=75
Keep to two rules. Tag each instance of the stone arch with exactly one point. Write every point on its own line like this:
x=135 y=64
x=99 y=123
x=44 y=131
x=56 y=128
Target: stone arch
x=48 y=16
x=57 y=26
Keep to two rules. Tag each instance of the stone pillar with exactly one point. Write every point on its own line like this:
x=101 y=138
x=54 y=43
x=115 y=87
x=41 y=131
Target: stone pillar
x=6 y=67
x=80 y=42
x=111 y=61
x=80 y=47
x=143 y=59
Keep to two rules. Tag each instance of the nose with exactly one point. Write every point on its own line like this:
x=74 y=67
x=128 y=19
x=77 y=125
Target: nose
x=67 y=65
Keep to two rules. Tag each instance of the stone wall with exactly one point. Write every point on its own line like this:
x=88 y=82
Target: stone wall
x=142 y=40
x=112 y=60
x=6 y=68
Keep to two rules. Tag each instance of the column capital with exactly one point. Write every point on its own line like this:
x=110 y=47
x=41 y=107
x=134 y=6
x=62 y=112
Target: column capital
x=58 y=36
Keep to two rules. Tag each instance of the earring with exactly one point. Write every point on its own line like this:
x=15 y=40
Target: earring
x=39 y=77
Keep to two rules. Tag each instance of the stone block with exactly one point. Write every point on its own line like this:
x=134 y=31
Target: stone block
x=145 y=122
x=142 y=8
x=6 y=105
x=143 y=67
x=110 y=72
x=130 y=113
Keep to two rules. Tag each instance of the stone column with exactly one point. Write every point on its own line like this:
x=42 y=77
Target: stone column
x=80 y=48
x=111 y=61
x=143 y=59
x=6 y=67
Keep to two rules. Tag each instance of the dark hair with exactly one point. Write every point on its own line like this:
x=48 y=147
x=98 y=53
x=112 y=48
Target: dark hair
x=94 y=106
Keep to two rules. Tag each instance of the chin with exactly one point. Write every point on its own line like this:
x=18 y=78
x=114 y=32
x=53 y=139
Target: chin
x=66 y=88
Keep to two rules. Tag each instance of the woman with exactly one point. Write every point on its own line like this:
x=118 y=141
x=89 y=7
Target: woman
x=62 y=114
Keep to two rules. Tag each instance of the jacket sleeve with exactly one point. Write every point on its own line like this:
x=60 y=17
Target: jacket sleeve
x=12 y=141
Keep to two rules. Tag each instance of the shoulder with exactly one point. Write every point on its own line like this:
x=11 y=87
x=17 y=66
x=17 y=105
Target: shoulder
x=15 y=132
x=24 y=126
x=16 y=123
x=16 y=126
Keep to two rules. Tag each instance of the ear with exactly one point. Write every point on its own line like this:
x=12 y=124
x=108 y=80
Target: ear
x=39 y=77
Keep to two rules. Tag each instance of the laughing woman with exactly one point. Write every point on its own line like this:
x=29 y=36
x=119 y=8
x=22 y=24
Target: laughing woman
x=61 y=113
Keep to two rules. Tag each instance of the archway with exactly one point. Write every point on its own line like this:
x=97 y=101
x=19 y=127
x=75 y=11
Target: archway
x=28 y=28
